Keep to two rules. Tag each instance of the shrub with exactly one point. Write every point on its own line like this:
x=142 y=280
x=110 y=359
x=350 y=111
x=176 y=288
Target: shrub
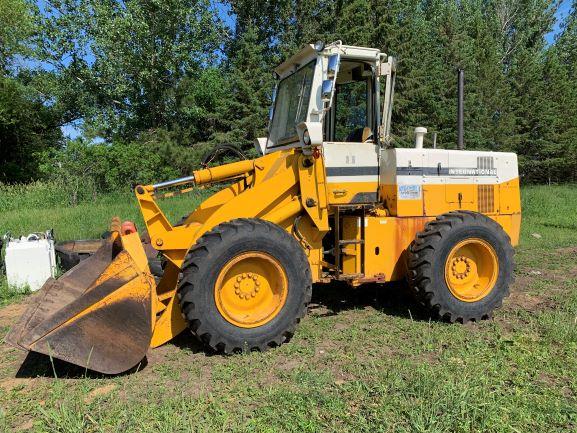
x=86 y=169
x=38 y=194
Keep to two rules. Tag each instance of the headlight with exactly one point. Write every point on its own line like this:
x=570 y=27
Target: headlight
x=319 y=46
x=306 y=138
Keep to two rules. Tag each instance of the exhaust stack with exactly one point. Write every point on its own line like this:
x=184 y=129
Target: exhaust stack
x=461 y=109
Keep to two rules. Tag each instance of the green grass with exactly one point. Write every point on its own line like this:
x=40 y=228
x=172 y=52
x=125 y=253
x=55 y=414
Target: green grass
x=89 y=219
x=550 y=211
x=9 y=295
x=362 y=361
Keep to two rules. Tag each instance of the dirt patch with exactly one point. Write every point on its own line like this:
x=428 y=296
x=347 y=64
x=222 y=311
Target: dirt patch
x=289 y=364
x=556 y=382
x=427 y=358
x=98 y=392
x=11 y=312
x=529 y=302
x=26 y=426
x=548 y=379
x=14 y=383
x=554 y=266
x=319 y=310
x=572 y=251
x=160 y=355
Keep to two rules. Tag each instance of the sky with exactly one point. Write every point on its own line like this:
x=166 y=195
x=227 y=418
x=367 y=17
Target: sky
x=561 y=14
x=73 y=130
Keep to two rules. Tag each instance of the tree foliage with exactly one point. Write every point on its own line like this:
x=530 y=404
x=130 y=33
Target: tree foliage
x=29 y=120
x=170 y=77
x=130 y=57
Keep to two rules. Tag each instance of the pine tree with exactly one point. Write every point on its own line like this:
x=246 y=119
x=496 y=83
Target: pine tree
x=534 y=114
x=250 y=82
x=563 y=79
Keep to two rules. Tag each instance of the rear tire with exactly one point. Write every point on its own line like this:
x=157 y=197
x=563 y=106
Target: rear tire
x=460 y=267
x=236 y=317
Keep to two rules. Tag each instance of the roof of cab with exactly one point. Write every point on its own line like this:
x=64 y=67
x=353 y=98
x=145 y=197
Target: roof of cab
x=308 y=53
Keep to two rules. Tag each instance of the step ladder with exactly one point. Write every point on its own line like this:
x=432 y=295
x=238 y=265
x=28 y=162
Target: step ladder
x=340 y=243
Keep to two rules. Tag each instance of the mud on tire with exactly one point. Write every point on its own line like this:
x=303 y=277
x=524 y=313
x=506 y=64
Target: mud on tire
x=201 y=269
x=428 y=254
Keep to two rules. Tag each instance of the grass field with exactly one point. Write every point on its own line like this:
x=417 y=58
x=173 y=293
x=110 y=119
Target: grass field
x=367 y=360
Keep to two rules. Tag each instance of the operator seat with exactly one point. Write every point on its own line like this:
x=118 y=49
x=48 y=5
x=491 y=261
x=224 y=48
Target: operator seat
x=360 y=135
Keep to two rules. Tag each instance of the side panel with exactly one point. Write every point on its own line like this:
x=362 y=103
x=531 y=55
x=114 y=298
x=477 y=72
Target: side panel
x=429 y=182
x=388 y=238
x=352 y=172
x=401 y=185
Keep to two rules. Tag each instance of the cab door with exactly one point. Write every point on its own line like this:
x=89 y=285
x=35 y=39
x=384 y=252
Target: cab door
x=352 y=172
x=350 y=151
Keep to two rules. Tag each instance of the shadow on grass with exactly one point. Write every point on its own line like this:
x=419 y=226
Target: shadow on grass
x=328 y=300
x=186 y=341
x=40 y=365
x=392 y=299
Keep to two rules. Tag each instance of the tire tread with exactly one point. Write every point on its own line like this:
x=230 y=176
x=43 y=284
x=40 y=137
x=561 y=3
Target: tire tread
x=428 y=242
x=199 y=257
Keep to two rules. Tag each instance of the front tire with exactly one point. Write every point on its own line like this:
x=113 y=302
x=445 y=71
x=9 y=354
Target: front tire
x=246 y=284
x=461 y=266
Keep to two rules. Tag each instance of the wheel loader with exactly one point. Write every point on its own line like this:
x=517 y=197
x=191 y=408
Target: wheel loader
x=329 y=199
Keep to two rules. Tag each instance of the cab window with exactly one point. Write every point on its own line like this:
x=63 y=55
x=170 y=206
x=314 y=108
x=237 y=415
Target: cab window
x=351 y=113
x=351 y=118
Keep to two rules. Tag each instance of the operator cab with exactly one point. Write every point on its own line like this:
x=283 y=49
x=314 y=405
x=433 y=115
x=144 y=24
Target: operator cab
x=328 y=97
x=332 y=91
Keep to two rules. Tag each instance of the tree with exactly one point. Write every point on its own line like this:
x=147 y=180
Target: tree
x=250 y=83
x=29 y=122
x=562 y=91
x=128 y=56
x=27 y=126
x=16 y=27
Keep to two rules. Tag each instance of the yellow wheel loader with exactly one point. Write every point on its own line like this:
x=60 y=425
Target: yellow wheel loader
x=329 y=200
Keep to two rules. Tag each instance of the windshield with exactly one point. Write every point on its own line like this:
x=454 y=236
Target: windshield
x=291 y=105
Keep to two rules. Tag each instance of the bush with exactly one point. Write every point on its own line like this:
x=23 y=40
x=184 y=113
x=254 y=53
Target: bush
x=551 y=171
x=34 y=195
x=84 y=170
x=80 y=171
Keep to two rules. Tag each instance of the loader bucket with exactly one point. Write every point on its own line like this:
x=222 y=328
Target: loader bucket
x=97 y=315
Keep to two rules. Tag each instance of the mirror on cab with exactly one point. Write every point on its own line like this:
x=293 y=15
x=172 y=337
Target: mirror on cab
x=328 y=87
x=327 y=91
x=333 y=66
x=273 y=100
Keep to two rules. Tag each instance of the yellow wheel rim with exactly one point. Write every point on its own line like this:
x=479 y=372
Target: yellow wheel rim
x=471 y=270
x=251 y=289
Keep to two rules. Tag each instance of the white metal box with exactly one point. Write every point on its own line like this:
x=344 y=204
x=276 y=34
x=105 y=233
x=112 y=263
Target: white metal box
x=30 y=261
